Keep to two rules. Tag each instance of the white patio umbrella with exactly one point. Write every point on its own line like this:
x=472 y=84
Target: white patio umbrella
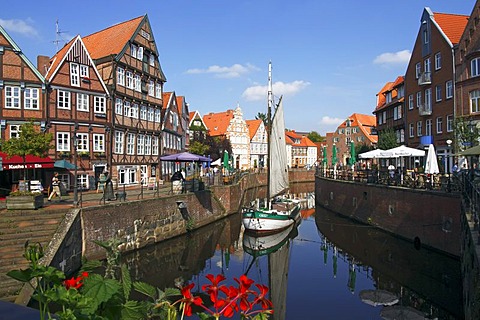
x=372 y=154
x=403 y=151
x=431 y=165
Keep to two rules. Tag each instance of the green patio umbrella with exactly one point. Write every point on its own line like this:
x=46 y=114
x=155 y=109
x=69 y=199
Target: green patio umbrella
x=353 y=157
x=325 y=159
x=226 y=159
x=334 y=155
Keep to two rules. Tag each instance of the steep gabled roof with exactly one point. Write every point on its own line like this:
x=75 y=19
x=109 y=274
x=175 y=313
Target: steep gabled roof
x=364 y=122
x=112 y=40
x=24 y=58
x=381 y=95
x=452 y=25
x=193 y=115
x=253 y=126
x=217 y=123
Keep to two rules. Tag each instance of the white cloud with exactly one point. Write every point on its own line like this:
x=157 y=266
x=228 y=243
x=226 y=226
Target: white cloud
x=326 y=120
x=258 y=93
x=233 y=71
x=23 y=27
x=393 y=58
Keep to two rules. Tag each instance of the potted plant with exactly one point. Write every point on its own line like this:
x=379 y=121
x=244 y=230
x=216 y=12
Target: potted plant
x=84 y=154
x=64 y=154
x=99 y=155
x=24 y=200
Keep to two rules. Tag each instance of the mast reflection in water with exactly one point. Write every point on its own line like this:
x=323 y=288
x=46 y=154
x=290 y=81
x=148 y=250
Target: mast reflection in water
x=321 y=270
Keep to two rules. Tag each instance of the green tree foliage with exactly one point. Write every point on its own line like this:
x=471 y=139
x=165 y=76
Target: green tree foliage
x=210 y=146
x=387 y=139
x=315 y=136
x=466 y=132
x=261 y=116
x=361 y=148
x=29 y=142
x=198 y=147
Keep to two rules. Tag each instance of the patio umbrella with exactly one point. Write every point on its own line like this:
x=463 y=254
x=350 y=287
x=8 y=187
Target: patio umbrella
x=431 y=165
x=372 y=154
x=474 y=151
x=353 y=157
x=325 y=159
x=378 y=297
x=64 y=164
x=226 y=159
x=185 y=157
x=334 y=155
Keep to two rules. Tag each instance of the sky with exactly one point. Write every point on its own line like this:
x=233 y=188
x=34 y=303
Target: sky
x=329 y=58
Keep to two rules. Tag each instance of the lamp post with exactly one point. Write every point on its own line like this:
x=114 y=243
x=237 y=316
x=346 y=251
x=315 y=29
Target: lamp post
x=75 y=153
x=449 y=144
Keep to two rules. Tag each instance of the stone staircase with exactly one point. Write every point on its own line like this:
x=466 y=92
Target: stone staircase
x=16 y=227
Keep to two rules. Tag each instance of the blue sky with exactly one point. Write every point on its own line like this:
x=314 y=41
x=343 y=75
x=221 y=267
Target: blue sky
x=330 y=58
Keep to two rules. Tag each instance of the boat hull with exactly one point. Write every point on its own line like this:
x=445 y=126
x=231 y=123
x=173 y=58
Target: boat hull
x=268 y=221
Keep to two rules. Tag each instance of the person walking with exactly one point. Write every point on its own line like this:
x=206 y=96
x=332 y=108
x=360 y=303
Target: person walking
x=55 y=188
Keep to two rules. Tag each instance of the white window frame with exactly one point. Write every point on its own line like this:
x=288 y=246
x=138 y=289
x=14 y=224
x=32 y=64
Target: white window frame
x=74 y=74
x=148 y=145
x=151 y=59
x=419 y=128
x=428 y=99
x=12 y=97
x=426 y=65
x=438 y=93
x=410 y=102
x=129 y=77
x=31 y=99
x=450 y=123
x=98 y=142
x=411 y=130
x=439 y=122
x=84 y=73
x=137 y=83
x=119 y=136
x=131 y=143
x=449 y=89
x=419 y=98
x=475 y=67
x=474 y=101
x=438 y=61
x=150 y=114
x=121 y=76
x=135 y=111
x=158 y=115
x=119 y=106
x=140 y=53
x=133 y=50
x=83 y=101
x=15 y=130
x=82 y=142
x=428 y=127
x=100 y=104
x=418 y=70
x=127 y=109
x=140 y=144
x=143 y=112
x=155 y=148
x=158 y=90
x=63 y=99
x=151 y=88
x=63 y=141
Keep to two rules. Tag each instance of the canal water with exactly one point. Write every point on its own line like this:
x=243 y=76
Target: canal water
x=327 y=267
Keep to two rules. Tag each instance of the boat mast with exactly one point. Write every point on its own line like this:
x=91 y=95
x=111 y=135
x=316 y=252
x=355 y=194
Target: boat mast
x=269 y=128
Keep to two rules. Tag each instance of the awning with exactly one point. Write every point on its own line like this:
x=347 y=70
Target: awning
x=64 y=164
x=31 y=162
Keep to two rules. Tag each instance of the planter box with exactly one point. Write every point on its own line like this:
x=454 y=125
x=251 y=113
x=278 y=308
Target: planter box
x=25 y=202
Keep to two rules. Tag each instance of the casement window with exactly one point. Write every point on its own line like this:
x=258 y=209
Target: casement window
x=419 y=128
x=438 y=61
x=401 y=92
x=129 y=80
x=82 y=181
x=418 y=70
x=157 y=115
x=158 y=90
x=118 y=142
x=131 y=143
x=63 y=141
x=98 y=142
x=121 y=76
x=143 y=113
x=82 y=102
x=475 y=101
x=12 y=97
x=475 y=67
x=449 y=89
x=155 y=146
x=63 y=99
x=140 y=144
x=140 y=53
x=438 y=93
x=127 y=175
x=419 y=99
x=410 y=102
x=439 y=125
x=426 y=64
x=151 y=60
x=151 y=88
x=135 y=111
x=74 y=75
x=428 y=127
x=133 y=50
x=100 y=105
x=15 y=130
x=148 y=145
x=84 y=71
x=411 y=130
x=127 y=109
x=138 y=83
x=31 y=98
x=428 y=99
x=82 y=142
x=450 y=123
x=150 y=114
x=118 y=106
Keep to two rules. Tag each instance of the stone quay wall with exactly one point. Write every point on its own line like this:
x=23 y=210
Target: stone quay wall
x=429 y=218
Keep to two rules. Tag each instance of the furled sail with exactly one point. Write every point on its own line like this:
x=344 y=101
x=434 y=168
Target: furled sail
x=278 y=154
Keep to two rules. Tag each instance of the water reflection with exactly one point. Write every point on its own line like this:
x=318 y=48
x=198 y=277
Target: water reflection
x=356 y=258
x=422 y=279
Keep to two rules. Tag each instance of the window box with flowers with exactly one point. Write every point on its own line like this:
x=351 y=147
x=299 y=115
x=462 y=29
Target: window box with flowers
x=64 y=154
x=24 y=200
x=84 y=154
x=99 y=155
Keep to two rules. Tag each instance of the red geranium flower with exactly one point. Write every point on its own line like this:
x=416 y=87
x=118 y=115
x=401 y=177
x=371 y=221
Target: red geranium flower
x=188 y=299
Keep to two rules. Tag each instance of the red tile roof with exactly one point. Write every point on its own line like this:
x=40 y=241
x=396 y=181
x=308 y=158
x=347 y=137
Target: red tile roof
x=452 y=25
x=112 y=40
x=253 y=126
x=217 y=123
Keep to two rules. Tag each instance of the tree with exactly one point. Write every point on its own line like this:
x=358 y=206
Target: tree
x=315 y=136
x=262 y=116
x=198 y=147
x=30 y=141
x=387 y=139
x=466 y=132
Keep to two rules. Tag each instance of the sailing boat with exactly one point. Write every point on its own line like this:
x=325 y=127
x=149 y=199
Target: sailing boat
x=279 y=212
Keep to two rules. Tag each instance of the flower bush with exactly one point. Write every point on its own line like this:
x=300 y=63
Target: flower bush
x=93 y=296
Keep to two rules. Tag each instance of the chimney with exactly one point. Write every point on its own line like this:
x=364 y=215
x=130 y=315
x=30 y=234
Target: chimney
x=43 y=63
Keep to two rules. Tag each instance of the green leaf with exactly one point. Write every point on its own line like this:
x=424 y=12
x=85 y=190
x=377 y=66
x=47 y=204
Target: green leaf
x=134 y=310
x=21 y=275
x=100 y=289
x=145 y=288
x=126 y=281
x=91 y=265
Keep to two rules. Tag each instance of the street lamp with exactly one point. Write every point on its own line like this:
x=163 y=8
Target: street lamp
x=449 y=186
